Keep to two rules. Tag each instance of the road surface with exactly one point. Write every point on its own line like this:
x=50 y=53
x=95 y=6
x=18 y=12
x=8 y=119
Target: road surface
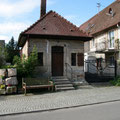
x=106 y=111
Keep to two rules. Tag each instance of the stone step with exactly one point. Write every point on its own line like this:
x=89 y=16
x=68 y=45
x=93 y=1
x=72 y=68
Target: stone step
x=64 y=85
x=62 y=82
x=65 y=88
x=59 y=77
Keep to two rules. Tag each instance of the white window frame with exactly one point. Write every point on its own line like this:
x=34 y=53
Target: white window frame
x=93 y=42
x=111 y=39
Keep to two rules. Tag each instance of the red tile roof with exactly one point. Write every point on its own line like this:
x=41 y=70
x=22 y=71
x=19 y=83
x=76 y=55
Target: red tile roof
x=103 y=20
x=54 y=24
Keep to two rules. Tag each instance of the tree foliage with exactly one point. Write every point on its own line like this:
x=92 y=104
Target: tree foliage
x=11 y=50
x=116 y=81
x=25 y=66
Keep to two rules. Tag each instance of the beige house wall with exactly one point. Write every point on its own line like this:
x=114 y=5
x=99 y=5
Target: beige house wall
x=101 y=44
x=44 y=45
x=102 y=40
x=25 y=49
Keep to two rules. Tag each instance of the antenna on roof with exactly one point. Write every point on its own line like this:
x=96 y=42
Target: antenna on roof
x=98 y=6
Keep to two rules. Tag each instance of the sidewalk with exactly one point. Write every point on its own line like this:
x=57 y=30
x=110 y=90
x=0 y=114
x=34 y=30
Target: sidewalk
x=16 y=104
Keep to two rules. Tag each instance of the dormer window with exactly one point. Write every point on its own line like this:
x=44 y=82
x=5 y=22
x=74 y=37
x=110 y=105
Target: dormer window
x=110 y=11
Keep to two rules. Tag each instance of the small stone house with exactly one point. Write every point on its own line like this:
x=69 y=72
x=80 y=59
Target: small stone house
x=60 y=45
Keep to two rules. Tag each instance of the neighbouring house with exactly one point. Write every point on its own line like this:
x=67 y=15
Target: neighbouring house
x=2 y=43
x=104 y=27
x=2 y=56
x=60 y=45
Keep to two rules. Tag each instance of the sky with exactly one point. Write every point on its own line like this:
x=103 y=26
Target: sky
x=17 y=15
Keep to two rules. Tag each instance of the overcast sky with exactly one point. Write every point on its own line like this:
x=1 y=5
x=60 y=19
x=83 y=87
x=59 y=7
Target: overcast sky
x=17 y=15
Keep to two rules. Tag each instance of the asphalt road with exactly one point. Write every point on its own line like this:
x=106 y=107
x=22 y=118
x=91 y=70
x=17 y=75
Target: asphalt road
x=106 y=111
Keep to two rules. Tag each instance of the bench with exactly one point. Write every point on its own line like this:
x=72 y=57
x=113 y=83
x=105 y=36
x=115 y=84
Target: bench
x=35 y=83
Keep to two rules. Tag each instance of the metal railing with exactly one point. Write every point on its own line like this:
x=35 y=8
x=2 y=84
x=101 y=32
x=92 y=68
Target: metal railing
x=105 y=45
x=69 y=72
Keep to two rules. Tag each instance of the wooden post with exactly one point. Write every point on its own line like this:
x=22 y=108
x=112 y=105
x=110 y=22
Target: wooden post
x=115 y=68
x=25 y=91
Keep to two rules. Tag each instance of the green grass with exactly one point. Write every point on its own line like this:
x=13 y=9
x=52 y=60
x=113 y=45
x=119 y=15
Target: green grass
x=116 y=81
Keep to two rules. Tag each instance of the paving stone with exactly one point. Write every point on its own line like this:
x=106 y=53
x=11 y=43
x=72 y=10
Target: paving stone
x=20 y=103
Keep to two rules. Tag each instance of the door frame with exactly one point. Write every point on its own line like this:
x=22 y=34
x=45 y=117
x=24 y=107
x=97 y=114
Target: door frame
x=57 y=49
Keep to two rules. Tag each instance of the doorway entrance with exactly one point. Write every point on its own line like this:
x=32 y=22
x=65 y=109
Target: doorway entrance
x=57 y=60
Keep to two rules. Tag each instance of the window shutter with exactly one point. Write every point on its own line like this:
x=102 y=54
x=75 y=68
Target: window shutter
x=80 y=59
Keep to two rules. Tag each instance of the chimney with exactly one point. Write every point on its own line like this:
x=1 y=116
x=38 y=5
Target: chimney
x=43 y=8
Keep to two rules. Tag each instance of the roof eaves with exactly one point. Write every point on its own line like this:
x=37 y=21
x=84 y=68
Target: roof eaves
x=105 y=28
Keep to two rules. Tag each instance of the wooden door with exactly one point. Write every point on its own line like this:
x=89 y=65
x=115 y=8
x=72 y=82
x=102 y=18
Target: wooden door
x=57 y=61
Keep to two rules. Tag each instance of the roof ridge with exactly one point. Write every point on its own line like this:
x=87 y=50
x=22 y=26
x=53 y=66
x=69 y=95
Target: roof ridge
x=77 y=28
x=59 y=16
x=66 y=20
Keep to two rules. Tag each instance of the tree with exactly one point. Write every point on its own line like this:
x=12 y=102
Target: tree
x=11 y=50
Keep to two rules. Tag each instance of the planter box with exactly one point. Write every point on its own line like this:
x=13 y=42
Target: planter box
x=2 y=92
x=12 y=72
x=11 y=89
x=11 y=81
x=2 y=86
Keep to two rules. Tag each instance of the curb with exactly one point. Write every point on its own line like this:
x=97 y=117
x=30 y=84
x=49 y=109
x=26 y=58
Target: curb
x=55 y=109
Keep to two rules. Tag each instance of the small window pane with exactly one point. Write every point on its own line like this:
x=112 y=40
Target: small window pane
x=73 y=59
x=40 y=59
x=112 y=61
x=111 y=39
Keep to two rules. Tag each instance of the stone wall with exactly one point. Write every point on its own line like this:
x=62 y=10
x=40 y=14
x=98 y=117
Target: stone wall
x=10 y=76
x=70 y=46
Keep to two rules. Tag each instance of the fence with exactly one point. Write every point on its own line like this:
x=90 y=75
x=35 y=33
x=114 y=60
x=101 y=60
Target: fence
x=100 y=70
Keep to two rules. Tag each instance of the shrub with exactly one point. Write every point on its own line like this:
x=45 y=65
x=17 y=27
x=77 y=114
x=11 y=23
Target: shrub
x=8 y=66
x=25 y=66
x=116 y=81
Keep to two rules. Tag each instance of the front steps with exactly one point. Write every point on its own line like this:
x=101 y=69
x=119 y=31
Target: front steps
x=62 y=84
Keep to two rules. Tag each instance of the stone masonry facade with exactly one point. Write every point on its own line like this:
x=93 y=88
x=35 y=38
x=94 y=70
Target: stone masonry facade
x=45 y=46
